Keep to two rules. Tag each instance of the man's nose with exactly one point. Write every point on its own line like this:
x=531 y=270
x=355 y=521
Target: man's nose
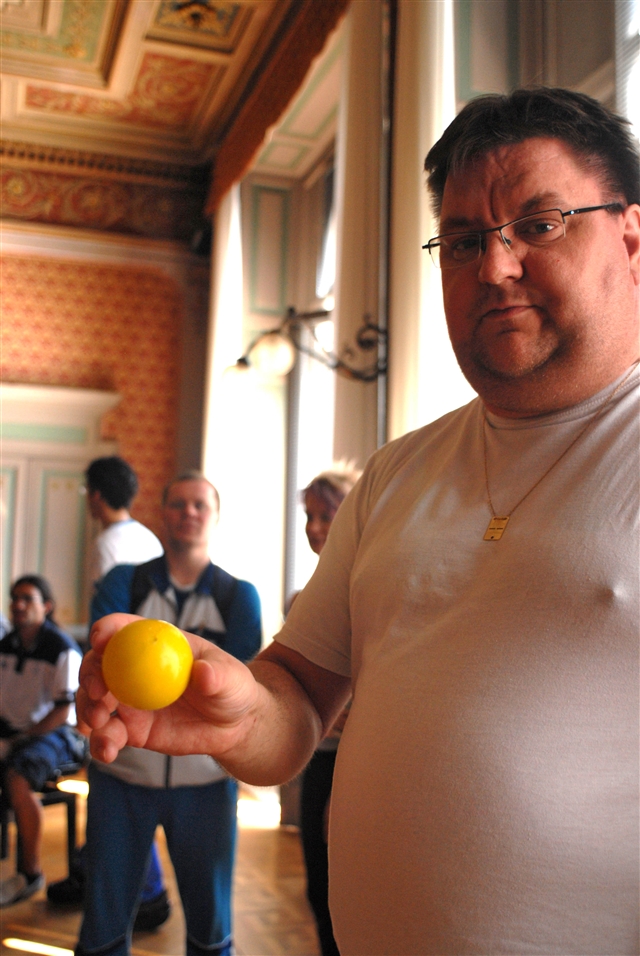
x=498 y=261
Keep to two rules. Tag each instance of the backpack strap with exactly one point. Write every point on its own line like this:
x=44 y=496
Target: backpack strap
x=142 y=582
x=223 y=590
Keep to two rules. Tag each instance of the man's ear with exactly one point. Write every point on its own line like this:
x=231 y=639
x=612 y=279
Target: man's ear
x=631 y=239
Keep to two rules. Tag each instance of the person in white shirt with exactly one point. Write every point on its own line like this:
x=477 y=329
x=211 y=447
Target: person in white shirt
x=112 y=485
x=478 y=590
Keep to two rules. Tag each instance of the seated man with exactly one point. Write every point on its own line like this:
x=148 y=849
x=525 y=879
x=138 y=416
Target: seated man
x=39 y=667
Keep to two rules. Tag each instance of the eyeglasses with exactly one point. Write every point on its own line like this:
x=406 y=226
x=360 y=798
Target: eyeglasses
x=539 y=229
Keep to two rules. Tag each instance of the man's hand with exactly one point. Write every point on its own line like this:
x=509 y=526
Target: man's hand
x=261 y=728
x=209 y=715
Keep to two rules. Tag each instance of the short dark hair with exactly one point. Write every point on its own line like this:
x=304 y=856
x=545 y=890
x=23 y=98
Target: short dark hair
x=42 y=585
x=600 y=139
x=190 y=475
x=115 y=479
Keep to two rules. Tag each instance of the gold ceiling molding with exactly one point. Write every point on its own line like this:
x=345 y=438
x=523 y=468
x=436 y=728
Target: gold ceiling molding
x=85 y=163
x=271 y=88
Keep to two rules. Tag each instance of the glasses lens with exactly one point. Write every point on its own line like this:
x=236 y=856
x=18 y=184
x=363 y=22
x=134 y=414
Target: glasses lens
x=459 y=249
x=537 y=230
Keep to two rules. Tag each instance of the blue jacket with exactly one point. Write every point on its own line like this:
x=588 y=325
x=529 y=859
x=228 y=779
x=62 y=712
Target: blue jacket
x=220 y=608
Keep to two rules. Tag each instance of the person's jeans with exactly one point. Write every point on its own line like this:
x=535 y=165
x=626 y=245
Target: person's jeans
x=200 y=827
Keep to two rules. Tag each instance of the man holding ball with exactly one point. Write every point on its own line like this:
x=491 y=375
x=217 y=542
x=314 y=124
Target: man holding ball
x=129 y=798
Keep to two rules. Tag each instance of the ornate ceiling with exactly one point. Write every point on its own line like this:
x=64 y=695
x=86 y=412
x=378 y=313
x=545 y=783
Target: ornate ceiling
x=137 y=94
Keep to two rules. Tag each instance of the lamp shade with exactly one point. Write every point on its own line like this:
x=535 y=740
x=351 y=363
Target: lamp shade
x=272 y=354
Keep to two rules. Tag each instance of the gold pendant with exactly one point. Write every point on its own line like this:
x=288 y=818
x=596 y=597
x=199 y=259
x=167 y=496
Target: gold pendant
x=496 y=529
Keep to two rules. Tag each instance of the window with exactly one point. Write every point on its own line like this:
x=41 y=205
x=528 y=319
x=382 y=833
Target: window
x=628 y=61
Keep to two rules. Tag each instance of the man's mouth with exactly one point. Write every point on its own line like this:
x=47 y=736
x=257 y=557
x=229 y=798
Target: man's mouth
x=190 y=526
x=513 y=311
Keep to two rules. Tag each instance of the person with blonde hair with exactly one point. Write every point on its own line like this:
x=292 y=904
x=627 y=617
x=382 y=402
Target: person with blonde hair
x=322 y=498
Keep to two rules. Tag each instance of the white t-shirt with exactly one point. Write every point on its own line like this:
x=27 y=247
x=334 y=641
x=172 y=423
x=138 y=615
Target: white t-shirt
x=125 y=542
x=485 y=798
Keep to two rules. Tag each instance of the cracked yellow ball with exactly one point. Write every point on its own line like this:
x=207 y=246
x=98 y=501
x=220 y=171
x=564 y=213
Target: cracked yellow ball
x=147 y=664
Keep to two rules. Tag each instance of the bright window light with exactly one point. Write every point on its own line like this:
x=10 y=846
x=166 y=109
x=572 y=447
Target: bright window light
x=81 y=787
x=259 y=814
x=633 y=98
x=628 y=61
x=28 y=946
x=324 y=333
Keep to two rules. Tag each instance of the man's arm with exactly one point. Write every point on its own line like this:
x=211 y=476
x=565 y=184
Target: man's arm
x=56 y=717
x=261 y=722
x=113 y=592
x=244 y=623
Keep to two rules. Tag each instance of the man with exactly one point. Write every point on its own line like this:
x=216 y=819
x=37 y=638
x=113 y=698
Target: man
x=112 y=484
x=191 y=796
x=479 y=587
x=39 y=667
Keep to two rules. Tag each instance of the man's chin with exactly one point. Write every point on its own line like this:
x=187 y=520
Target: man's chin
x=506 y=384
x=509 y=366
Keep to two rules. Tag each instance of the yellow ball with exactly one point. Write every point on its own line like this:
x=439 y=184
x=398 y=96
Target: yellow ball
x=147 y=664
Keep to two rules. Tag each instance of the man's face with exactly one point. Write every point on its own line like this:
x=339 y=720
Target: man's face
x=547 y=328
x=93 y=502
x=28 y=609
x=190 y=512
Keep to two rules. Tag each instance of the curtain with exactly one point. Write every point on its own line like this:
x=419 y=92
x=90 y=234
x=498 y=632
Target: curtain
x=271 y=89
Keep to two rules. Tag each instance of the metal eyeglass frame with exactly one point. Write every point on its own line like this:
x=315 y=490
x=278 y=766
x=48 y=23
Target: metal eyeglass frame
x=434 y=244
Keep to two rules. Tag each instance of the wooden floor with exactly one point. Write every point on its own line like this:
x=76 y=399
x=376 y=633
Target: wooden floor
x=271 y=914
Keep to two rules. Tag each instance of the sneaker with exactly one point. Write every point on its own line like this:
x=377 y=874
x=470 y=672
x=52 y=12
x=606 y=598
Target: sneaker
x=19 y=887
x=67 y=892
x=153 y=913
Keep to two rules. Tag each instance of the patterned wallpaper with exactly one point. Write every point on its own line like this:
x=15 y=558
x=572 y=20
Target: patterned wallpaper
x=110 y=327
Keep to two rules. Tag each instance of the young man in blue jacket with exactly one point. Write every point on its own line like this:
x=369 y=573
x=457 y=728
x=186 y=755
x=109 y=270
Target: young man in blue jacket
x=192 y=797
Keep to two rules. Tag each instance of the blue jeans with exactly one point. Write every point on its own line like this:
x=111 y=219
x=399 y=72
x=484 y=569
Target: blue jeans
x=200 y=827
x=37 y=759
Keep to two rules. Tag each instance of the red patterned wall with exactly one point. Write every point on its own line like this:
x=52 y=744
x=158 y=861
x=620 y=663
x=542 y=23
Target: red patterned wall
x=106 y=327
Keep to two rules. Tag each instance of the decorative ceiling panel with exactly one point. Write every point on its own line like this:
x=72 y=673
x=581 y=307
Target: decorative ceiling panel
x=68 y=41
x=216 y=26
x=167 y=94
x=112 y=110
x=30 y=16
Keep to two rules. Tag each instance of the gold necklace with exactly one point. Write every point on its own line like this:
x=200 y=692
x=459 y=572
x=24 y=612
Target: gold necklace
x=498 y=524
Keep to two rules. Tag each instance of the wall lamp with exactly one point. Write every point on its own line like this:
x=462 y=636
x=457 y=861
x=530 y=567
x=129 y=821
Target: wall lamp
x=274 y=352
